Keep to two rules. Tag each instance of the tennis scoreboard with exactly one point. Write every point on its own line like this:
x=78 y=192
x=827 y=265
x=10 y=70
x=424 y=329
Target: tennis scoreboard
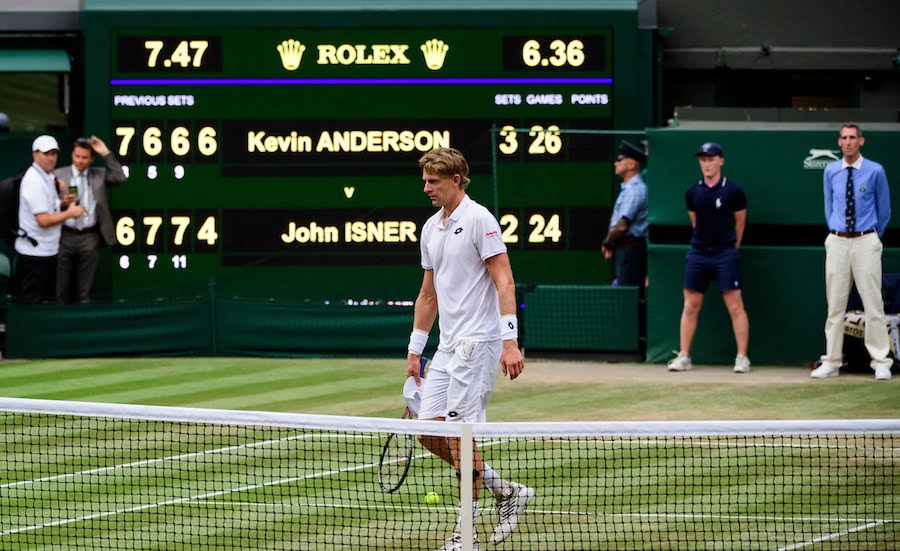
x=277 y=153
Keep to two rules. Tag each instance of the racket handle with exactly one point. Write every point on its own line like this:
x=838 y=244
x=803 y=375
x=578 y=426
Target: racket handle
x=423 y=361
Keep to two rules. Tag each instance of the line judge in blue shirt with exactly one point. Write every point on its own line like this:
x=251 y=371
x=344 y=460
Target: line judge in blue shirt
x=857 y=211
x=717 y=208
x=626 y=240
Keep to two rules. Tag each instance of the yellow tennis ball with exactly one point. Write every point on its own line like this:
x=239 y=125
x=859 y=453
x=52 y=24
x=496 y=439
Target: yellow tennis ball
x=432 y=498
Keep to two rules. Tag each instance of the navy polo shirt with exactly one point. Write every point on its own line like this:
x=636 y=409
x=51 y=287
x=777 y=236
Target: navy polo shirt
x=715 y=207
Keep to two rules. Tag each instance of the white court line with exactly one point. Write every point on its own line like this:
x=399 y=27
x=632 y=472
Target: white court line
x=298 y=437
x=185 y=499
x=831 y=536
x=530 y=511
x=159 y=460
x=684 y=441
x=365 y=507
x=533 y=511
x=197 y=497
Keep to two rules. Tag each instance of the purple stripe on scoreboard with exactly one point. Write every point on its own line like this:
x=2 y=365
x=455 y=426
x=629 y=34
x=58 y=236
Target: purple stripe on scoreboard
x=351 y=81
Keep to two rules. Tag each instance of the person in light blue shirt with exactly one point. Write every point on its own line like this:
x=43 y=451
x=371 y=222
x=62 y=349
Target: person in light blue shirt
x=626 y=240
x=857 y=211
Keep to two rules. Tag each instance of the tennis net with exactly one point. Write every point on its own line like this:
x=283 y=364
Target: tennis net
x=111 y=476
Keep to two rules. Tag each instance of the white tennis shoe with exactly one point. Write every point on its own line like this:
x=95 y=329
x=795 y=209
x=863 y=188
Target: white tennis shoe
x=680 y=363
x=882 y=373
x=514 y=502
x=454 y=542
x=824 y=371
x=741 y=364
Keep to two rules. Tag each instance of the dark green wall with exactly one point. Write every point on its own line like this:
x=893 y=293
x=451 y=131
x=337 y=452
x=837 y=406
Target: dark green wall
x=784 y=294
x=215 y=323
x=767 y=162
x=784 y=286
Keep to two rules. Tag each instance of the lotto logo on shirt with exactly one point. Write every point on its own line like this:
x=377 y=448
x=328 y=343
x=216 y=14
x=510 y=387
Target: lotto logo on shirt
x=492 y=233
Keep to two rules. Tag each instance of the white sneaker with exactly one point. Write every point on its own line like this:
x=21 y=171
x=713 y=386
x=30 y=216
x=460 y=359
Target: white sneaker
x=741 y=364
x=824 y=371
x=515 y=500
x=454 y=542
x=680 y=363
x=882 y=373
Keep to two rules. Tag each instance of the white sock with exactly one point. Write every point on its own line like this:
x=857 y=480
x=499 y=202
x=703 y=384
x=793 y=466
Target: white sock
x=493 y=481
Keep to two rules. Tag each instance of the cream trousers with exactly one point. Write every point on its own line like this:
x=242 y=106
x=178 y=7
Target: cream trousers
x=849 y=260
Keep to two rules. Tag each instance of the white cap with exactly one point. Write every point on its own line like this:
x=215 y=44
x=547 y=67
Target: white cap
x=412 y=393
x=44 y=144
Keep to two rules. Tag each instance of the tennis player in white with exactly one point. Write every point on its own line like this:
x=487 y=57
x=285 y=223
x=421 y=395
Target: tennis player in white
x=469 y=281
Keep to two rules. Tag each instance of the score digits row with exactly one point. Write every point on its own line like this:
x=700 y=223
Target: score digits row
x=182 y=232
x=179 y=141
x=154 y=143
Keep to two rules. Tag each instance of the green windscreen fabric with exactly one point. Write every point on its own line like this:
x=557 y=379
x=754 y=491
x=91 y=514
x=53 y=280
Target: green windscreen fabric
x=783 y=292
x=784 y=296
x=159 y=328
x=260 y=327
x=34 y=61
x=554 y=318
x=576 y=318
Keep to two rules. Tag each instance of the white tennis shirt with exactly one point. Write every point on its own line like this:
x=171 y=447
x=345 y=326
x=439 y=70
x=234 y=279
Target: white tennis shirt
x=468 y=305
x=38 y=194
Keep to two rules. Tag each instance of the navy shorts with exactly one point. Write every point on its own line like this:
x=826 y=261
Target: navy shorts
x=722 y=266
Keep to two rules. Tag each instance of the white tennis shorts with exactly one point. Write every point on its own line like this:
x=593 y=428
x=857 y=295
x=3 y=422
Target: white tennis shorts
x=460 y=382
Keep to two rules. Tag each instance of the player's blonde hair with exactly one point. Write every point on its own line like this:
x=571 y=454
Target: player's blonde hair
x=446 y=161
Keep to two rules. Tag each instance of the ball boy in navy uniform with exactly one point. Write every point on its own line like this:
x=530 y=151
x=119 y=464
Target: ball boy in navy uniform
x=718 y=210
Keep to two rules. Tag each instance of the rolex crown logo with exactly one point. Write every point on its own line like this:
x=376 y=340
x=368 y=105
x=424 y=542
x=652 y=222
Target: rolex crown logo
x=435 y=50
x=291 y=52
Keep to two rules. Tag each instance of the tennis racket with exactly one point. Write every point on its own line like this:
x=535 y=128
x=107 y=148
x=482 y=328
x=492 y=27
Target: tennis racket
x=397 y=453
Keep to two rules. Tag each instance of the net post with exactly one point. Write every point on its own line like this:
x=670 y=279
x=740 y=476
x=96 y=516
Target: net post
x=466 y=468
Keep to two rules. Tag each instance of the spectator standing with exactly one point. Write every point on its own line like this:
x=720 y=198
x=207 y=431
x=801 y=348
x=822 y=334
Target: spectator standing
x=41 y=214
x=82 y=238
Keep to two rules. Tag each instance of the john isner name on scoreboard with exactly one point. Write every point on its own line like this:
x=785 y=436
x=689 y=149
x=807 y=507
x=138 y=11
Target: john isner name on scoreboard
x=348 y=141
x=332 y=230
x=380 y=231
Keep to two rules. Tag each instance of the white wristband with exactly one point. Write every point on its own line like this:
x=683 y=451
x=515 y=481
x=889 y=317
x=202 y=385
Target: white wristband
x=509 y=327
x=417 y=341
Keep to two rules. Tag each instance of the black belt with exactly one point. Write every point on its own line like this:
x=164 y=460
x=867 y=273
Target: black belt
x=852 y=233
x=92 y=229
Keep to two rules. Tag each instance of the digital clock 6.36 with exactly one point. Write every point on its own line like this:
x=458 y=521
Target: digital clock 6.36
x=554 y=53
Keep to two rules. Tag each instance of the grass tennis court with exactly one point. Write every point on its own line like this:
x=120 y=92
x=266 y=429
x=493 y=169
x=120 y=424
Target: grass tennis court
x=602 y=493
x=547 y=391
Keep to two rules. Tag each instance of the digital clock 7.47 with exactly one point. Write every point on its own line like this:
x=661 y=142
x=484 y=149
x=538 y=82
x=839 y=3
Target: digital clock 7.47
x=160 y=54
